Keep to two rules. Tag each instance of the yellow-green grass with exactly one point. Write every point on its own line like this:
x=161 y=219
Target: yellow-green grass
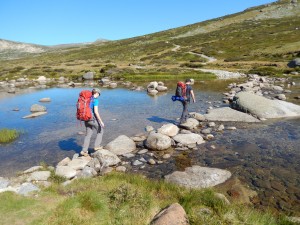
x=123 y=199
x=163 y=77
x=8 y=135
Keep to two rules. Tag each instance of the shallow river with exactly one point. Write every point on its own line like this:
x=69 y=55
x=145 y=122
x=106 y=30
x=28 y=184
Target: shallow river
x=265 y=156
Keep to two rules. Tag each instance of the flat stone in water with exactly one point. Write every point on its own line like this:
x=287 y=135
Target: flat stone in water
x=199 y=177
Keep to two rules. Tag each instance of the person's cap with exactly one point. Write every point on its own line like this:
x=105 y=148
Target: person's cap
x=96 y=90
x=188 y=80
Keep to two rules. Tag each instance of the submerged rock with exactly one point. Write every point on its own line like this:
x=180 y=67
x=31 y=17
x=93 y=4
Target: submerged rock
x=33 y=115
x=45 y=100
x=199 y=177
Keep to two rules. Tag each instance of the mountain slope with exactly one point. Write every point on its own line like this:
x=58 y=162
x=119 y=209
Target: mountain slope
x=266 y=35
x=12 y=49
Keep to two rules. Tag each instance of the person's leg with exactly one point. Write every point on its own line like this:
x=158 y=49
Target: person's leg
x=99 y=136
x=184 y=112
x=89 y=132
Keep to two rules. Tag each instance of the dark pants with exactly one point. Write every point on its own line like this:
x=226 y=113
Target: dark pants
x=185 y=112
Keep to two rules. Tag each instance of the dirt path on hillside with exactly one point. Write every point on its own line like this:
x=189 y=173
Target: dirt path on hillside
x=209 y=59
x=223 y=74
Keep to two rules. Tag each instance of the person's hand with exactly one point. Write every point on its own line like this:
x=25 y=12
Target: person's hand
x=102 y=124
x=194 y=100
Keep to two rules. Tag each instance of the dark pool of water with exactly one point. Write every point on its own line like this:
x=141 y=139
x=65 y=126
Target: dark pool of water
x=265 y=156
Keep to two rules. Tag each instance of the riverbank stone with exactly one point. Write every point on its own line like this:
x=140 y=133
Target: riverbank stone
x=65 y=171
x=198 y=177
x=190 y=124
x=79 y=163
x=169 y=129
x=27 y=188
x=227 y=114
x=39 y=176
x=264 y=108
x=106 y=157
x=172 y=215
x=197 y=116
x=188 y=139
x=157 y=141
x=4 y=183
x=121 y=145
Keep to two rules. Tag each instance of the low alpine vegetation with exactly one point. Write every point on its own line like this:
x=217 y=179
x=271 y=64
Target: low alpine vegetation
x=8 y=135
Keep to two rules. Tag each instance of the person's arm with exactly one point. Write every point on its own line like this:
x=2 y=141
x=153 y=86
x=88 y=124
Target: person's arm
x=98 y=116
x=193 y=96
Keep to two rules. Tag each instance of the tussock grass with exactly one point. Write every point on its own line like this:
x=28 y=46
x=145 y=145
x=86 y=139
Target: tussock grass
x=123 y=199
x=8 y=135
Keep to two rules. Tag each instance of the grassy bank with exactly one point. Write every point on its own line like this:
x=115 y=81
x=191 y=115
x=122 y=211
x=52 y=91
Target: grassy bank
x=159 y=77
x=8 y=135
x=123 y=199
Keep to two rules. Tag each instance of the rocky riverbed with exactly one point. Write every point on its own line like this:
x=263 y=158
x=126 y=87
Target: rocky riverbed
x=203 y=141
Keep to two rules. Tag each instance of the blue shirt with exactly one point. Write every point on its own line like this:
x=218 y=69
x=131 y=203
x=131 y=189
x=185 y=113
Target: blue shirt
x=94 y=102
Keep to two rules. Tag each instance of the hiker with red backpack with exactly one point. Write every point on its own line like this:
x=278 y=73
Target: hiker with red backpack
x=87 y=111
x=184 y=92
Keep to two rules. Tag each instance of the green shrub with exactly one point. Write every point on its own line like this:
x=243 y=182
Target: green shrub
x=8 y=135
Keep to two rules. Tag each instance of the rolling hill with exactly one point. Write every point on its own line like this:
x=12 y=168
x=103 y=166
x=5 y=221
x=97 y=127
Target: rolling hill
x=263 y=38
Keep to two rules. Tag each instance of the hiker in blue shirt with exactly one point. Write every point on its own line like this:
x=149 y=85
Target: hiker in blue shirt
x=95 y=123
x=186 y=101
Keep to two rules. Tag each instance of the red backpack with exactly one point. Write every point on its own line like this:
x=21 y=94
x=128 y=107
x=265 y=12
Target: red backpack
x=84 y=112
x=181 y=89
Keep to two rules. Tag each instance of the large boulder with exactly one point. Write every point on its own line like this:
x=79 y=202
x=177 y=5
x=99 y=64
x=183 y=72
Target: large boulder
x=227 y=114
x=121 y=145
x=172 y=215
x=190 y=124
x=188 y=139
x=263 y=107
x=38 y=108
x=106 y=158
x=198 y=177
x=169 y=129
x=88 y=76
x=157 y=141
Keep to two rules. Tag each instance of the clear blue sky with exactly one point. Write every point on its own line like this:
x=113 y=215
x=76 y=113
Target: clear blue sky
x=50 y=22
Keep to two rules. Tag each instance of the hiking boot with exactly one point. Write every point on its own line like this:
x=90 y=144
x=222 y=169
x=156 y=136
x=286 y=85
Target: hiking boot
x=98 y=148
x=84 y=153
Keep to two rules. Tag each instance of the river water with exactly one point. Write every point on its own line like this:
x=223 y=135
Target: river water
x=265 y=156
